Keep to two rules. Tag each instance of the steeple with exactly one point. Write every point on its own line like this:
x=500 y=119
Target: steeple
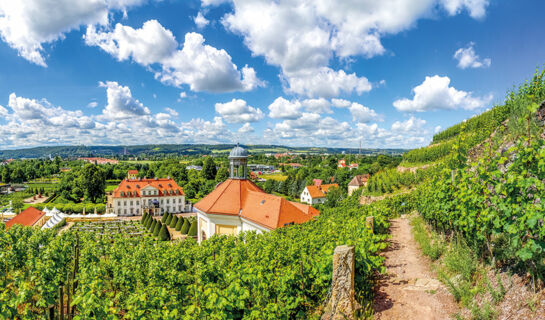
x=238 y=159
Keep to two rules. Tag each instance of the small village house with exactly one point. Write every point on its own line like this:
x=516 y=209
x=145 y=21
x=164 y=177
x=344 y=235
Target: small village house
x=30 y=217
x=357 y=182
x=316 y=193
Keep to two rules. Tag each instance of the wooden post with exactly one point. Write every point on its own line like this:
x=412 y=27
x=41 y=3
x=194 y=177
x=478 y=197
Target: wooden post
x=370 y=223
x=61 y=300
x=342 y=304
x=52 y=312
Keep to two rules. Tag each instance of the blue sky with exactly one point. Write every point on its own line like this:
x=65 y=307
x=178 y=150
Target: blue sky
x=299 y=73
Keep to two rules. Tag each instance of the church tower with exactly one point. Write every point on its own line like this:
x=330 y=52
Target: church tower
x=238 y=159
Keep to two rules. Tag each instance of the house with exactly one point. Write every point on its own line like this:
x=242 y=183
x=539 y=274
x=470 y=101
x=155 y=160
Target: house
x=238 y=204
x=97 y=160
x=317 y=192
x=357 y=182
x=291 y=164
x=134 y=197
x=28 y=218
x=192 y=167
x=132 y=174
x=342 y=164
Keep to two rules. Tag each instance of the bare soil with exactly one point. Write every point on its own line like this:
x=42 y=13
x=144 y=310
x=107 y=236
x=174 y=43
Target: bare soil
x=410 y=289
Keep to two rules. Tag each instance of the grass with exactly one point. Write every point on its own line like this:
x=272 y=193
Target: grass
x=274 y=176
x=111 y=187
x=460 y=270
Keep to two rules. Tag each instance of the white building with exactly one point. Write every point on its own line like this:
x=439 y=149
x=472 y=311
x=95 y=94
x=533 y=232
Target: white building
x=133 y=197
x=315 y=194
x=238 y=204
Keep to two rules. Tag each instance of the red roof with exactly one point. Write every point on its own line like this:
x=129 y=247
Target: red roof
x=27 y=218
x=320 y=191
x=133 y=171
x=133 y=187
x=359 y=180
x=245 y=199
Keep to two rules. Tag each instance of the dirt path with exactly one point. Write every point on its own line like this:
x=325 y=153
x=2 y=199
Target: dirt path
x=410 y=290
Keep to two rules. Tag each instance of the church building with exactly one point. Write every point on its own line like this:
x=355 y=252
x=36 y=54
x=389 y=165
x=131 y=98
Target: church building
x=238 y=204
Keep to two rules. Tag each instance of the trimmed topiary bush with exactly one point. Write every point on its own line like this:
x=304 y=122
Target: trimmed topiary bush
x=152 y=226
x=193 y=229
x=157 y=228
x=179 y=224
x=185 y=227
x=164 y=218
x=148 y=221
x=173 y=222
x=169 y=219
x=143 y=219
x=164 y=235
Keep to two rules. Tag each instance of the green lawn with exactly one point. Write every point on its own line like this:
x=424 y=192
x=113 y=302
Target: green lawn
x=111 y=187
x=274 y=176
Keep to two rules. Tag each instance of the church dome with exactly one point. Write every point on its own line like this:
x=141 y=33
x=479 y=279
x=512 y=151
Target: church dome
x=238 y=152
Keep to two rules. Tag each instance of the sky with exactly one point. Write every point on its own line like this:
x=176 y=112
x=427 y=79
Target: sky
x=383 y=74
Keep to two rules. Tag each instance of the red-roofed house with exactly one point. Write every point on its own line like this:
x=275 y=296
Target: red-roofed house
x=238 y=204
x=316 y=193
x=357 y=182
x=28 y=218
x=132 y=174
x=342 y=164
x=156 y=196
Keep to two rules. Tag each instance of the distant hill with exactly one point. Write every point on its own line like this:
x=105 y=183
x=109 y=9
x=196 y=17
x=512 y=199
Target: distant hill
x=172 y=149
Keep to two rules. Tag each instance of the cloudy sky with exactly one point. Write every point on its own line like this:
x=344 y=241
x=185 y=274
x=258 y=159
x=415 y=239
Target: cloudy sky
x=384 y=73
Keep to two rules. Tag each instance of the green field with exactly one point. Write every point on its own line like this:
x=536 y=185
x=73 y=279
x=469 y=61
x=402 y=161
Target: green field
x=46 y=186
x=111 y=187
x=274 y=176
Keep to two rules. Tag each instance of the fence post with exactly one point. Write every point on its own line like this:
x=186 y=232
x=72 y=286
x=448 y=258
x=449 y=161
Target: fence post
x=370 y=223
x=342 y=303
x=61 y=300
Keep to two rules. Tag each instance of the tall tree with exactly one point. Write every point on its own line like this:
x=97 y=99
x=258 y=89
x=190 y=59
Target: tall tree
x=94 y=182
x=209 y=169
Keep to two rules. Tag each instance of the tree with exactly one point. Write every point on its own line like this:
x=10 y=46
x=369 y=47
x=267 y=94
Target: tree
x=17 y=205
x=157 y=228
x=179 y=224
x=164 y=218
x=94 y=182
x=222 y=175
x=169 y=219
x=17 y=176
x=143 y=219
x=6 y=174
x=185 y=227
x=152 y=226
x=193 y=229
x=334 y=196
x=164 y=235
x=173 y=222
x=209 y=170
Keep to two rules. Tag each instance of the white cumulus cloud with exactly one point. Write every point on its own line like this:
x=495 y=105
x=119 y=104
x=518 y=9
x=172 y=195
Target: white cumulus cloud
x=200 y=21
x=121 y=104
x=435 y=93
x=238 y=111
x=197 y=65
x=467 y=58
x=285 y=109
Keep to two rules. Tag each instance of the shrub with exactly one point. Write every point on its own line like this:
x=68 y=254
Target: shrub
x=193 y=229
x=173 y=222
x=143 y=219
x=165 y=217
x=152 y=225
x=179 y=224
x=156 y=229
x=185 y=227
x=149 y=221
x=169 y=219
x=164 y=235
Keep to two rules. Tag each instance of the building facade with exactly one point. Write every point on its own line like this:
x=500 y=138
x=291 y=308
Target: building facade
x=316 y=194
x=238 y=204
x=357 y=182
x=134 y=197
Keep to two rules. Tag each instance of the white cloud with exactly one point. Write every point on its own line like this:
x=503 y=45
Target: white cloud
x=121 y=104
x=237 y=111
x=172 y=112
x=200 y=21
x=320 y=105
x=411 y=125
x=325 y=82
x=245 y=129
x=183 y=95
x=476 y=8
x=26 y=25
x=340 y=103
x=437 y=129
x=92 y=104
x=434 y=93
x=284 y=109
x=314 y=32
x=467 y=58
x=361 y=113
x=200 y=66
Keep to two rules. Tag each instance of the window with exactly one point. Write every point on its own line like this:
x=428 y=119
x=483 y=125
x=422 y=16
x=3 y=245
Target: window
x=161 y=201
x=168 y=200
x=137 y=202
x=131 y=202
x=125 y=202
x=125 y=211
x=118 y=211
x=131 y=211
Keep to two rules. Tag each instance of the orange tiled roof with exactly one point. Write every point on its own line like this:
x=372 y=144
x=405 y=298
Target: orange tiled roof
x=247 y=200
x=133 y=171
x=321 y=190
x=26 y=218
x=133 y=188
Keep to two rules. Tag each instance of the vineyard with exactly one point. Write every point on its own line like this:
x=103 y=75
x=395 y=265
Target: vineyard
x=282 y=274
